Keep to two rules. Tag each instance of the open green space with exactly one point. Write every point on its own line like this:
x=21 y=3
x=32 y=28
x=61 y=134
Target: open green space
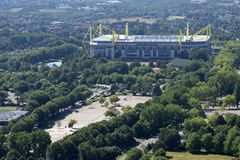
x=8 y=108
x=190 y=156
x=175 y=17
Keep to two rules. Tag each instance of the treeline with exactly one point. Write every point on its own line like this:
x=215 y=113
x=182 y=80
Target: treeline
x=41 y=116
x=219 y=134
x=23 y=140
x=12 y=40
x=50 y=53
x=25 y=145
x=135 y=77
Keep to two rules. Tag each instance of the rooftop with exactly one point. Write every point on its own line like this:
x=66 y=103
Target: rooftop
x=54 y=64
x=6 y=116
x=152 y=38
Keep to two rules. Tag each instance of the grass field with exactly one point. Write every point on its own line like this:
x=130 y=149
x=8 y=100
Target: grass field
x=8 y=108
x=189 y=156
x=225 y=4
x=175 y=17
x=130 y=19
x=52 y=10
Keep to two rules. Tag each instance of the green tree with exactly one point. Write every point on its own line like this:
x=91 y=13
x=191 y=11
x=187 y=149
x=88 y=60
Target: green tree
x=55 y=151
x=160 y=152
x=39 y=142
x=218 y=141
x=23 y=142
x=101 y=100
x=195 y=103
x=108 y=153
x=58 y=123
x=3 y=146
x=142 y=70
x=154 y=115
x=215 y=120
x=114 y=99
x=202 y=92
x=193 y=143
x=40 y=96
x=199 y=54
x=141 y=129
x=106 y=104
x=134 y=154
x=31 y=104
x=231 y=136
x=71 y=123
x=20 y=87
x=127 y=109
x=237 y=93
x=170 y=137
x=159 y=158
x=194 y=66
x=196 y=113
x=112 y=112
x=229 y=100
x=89 y=102
x=86 y=151
x=231 y=119
x=146 y=157
x=194 y=124
x=3 y=96
x=13 y=155
x=156 y=90
x=207 y=142
x=144 y=85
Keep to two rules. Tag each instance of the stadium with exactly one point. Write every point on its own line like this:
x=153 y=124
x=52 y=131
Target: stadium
x=146 y=47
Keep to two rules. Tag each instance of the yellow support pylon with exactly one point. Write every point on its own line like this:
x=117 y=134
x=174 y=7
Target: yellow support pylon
x=188 y=30
x=180 y=40
x=126 y=31
x=100 y=30
x=113 y=36
x=91 y=33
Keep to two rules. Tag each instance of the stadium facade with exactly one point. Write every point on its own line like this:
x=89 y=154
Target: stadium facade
x=147 y=47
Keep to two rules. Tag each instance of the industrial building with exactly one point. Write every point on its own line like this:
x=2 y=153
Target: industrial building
x=147 y=47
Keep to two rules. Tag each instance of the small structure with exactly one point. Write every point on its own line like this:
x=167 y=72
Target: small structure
x=7 y=116
x=54 y=64
x=179 y=63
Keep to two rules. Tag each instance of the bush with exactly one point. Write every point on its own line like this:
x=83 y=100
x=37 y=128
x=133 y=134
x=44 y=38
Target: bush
x=160 y=152
x=71 y=123
x=134 y=154
x=158 y=145
x=159 y=158
x=193 y=143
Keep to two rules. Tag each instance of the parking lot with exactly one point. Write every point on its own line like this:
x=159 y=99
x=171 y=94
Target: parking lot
x=89 y=114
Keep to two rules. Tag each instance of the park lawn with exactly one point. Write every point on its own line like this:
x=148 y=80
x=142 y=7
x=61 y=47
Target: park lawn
x=189 y=156
x=175 y=17
x=122 y=157
x=8 y=108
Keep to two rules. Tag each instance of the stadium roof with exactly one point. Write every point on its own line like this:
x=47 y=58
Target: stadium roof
x=152 y=38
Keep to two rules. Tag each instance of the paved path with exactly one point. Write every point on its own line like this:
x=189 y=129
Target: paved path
x=211 y=112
